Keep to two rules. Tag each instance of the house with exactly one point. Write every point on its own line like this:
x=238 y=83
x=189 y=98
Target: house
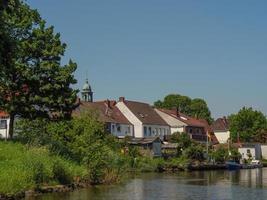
x=4 y=125
x=146 y=121
x=221 y=129
x=149 y=146
x=179 y=122
x=250 y=150
x=116 y=123
x=264 y=151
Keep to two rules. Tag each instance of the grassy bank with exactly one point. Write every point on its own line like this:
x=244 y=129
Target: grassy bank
x=23 y=169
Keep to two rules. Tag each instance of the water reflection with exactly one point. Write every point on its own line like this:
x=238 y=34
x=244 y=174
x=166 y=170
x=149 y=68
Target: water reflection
x=243 y=184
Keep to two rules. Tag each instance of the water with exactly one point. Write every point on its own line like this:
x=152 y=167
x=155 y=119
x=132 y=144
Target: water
x=217 y=185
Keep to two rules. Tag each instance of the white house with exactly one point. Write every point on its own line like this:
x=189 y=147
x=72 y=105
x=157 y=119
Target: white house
x=116 y=123
x=253 y=150
x=221 y=130
x=4 y=125
x=146 y=121
x=197 y=129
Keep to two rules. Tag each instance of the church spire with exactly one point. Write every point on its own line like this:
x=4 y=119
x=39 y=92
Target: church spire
x=87 y=93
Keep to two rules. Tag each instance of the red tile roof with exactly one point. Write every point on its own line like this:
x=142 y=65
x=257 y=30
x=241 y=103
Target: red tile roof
x=145 y=113
x=221 y=124
x=3 y=114
x=108 y=112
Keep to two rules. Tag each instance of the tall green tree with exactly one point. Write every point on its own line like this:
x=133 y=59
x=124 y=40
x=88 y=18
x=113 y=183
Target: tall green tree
x=200 y=110
x=33 y=81
x=248 y=124
x=193 y=107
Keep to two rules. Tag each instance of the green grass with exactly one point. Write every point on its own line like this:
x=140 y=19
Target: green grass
x=22 y=169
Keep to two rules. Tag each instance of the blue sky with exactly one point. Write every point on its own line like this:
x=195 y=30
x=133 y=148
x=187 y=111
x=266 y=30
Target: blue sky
x=146 y=49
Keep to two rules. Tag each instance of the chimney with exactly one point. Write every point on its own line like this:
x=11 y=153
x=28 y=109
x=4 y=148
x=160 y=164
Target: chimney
x=177 y=111
x=108 y=103
x=122 y=99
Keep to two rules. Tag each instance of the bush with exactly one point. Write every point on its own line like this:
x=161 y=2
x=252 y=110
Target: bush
x=194 y=152
x=27 y=168
x=220 y=155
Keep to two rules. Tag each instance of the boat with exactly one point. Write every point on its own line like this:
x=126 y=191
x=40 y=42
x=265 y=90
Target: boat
x=232 y=165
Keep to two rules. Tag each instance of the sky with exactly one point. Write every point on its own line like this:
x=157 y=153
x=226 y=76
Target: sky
x=146 y=49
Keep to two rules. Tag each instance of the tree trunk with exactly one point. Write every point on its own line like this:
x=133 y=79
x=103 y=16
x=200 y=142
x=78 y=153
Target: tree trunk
x=11 y=126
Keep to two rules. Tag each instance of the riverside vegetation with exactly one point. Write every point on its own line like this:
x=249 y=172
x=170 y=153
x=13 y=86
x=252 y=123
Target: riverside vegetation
x=79 y=150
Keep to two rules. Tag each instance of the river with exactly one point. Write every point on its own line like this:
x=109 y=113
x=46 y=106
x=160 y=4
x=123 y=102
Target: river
x=215 y=185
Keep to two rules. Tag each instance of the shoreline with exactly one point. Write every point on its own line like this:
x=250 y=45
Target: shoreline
x=80 y=185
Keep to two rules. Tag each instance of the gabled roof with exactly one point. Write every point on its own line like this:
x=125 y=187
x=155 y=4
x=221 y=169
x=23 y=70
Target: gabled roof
x=107 y=111
x=145 y=113
x=190 y=121
x=221 y=124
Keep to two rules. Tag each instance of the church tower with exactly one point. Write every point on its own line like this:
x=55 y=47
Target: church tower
x=87 y=93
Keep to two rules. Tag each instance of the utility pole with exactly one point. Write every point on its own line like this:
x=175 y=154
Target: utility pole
x=207 y=145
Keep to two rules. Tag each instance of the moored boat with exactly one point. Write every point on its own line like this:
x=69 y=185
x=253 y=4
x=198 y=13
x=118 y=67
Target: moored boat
x=232 y=165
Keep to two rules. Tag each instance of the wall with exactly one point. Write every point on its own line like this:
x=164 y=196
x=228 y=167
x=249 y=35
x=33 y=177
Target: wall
x=175 y=130
x=243 y=152
x=264 y=151
x=222 y=136
x=156 y=130
x=121 y=130
x=138 y=129
x=3 y=132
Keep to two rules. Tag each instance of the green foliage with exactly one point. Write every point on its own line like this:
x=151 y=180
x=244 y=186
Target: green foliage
x=33 y=81
x=194 y=152
x=220 y=155
x=82 y=139
x=249 y=124
x=22 y=169
x=197 y=108
x=235 y=155
x=183 y=140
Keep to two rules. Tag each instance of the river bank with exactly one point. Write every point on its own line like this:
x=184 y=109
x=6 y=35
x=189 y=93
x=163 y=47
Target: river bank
x=219 y=185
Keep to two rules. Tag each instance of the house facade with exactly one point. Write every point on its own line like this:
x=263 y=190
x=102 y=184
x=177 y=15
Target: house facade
x=146 y=121
x=221 y=129
x=116 y=123
x=250 y=150
x=179 y=122
x=4 y=125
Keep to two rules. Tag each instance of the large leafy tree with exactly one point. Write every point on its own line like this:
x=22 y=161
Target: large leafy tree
x=249 y=125
x=193 y=107
x=33 y=82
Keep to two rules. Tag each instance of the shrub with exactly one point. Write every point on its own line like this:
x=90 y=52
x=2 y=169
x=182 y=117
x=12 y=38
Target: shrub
x=194 y=152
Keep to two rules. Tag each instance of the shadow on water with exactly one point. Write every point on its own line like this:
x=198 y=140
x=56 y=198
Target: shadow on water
x=243 y=184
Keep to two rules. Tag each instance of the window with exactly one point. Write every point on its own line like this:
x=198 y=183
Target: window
x=118 y=128
x=248 y=151
x=113 y=128
x=145 y=130
x=149 y=131
x=3 y=124
x=128 y=129
x=190 y=130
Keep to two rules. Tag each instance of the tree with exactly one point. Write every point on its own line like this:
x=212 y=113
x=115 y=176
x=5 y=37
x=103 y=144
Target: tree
x=193 y=107
x=248 y=124
x=33 y=81
x=199 y=109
